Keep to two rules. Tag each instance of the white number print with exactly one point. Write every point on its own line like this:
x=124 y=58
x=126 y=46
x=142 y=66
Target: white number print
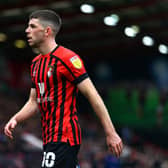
x=48 y=159
x=41 y=87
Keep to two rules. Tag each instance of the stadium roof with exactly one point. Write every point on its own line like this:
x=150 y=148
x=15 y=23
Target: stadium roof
x=87 y=33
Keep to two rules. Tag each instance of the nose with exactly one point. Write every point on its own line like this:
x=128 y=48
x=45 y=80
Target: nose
x=27 y=30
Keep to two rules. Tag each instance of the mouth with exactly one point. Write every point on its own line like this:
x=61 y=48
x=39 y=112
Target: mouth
x=29 y=39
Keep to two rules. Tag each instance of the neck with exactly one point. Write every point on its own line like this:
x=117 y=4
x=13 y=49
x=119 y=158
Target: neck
x=47 y=47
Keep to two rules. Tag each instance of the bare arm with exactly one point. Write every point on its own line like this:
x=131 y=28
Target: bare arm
x=28 y=110
x=114 y=142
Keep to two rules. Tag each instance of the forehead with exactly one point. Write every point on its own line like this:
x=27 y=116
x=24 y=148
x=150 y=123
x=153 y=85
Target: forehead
x=34 y=21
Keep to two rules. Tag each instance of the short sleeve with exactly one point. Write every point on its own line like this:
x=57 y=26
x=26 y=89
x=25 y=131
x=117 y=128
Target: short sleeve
x=74 y=69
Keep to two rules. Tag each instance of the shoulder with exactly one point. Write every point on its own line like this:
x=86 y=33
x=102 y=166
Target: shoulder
x=64 y=54
x=69 y=58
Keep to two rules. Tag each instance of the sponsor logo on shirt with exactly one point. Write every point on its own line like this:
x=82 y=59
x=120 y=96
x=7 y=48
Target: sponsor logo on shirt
x=44 y=99
x=76 y=62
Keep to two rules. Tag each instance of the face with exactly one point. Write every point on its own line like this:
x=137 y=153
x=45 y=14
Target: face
x=35 y=33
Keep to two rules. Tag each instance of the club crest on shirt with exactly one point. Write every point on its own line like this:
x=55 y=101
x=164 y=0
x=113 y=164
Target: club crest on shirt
x=50 y=70
x=76 y=62
x=34 y=73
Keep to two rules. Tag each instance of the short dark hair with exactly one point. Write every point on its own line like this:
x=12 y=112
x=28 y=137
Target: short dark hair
x=48 y=17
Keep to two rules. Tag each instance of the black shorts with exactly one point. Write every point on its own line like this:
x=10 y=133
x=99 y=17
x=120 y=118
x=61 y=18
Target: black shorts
x=60 y=155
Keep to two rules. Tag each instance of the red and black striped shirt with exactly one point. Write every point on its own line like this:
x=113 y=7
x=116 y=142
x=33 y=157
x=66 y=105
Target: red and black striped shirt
x=55 y=76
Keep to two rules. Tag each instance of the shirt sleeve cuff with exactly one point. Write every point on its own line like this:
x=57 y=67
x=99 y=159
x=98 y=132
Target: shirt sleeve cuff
x=81 y=78
x=33 y=85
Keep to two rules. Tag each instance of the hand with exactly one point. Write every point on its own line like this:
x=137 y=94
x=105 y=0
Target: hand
x=115 y=144
x=9 y=127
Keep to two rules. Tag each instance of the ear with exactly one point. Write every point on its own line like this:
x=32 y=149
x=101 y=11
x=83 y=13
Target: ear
x=48 y=31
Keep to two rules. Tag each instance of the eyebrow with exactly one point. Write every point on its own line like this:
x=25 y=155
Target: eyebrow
x=32 y=24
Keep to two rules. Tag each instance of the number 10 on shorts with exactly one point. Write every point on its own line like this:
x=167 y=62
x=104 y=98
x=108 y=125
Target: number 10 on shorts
x=48 y=159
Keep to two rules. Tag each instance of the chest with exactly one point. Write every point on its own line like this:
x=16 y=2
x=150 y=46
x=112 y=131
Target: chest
x=46 y=70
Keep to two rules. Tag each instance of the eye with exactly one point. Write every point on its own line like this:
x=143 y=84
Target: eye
x=32 y=26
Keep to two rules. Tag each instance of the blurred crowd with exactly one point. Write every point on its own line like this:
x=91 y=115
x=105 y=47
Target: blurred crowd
x=25 y=150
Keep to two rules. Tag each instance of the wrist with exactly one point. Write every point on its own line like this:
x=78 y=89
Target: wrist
x=110 y=131
x=14 y=118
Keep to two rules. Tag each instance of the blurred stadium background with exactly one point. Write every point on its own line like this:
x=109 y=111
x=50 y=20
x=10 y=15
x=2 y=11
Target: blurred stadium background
x=124 y=46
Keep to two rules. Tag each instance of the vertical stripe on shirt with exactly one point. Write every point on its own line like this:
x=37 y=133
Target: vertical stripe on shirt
x=55 y=83
x=42 y=78
x=71 y=120
x=60 y=129
x=49 y=107
x=38 y=68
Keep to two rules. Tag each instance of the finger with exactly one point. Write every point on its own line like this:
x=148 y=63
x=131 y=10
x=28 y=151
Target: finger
x=8 y=132
x=10 y=135
x=114 y=151
x=119 y=150
x=119 y=147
